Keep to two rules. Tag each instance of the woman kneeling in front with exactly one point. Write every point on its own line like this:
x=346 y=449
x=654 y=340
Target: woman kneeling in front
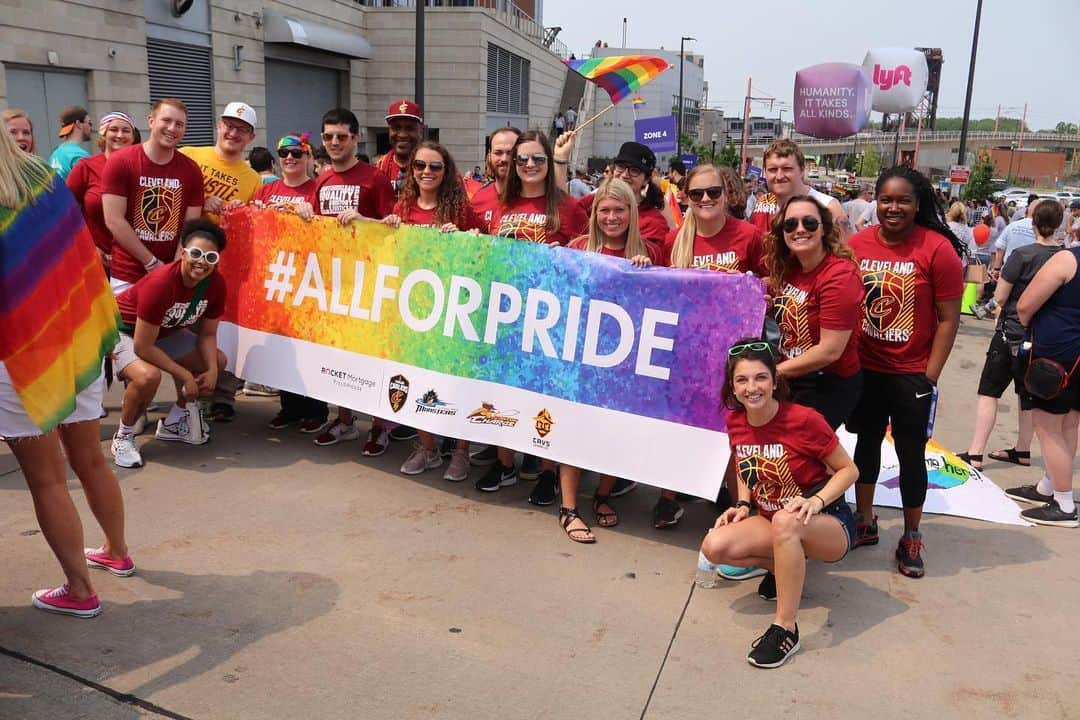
x=793 y=470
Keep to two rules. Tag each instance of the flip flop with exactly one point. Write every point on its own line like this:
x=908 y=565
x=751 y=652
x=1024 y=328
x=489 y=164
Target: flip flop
x=1012 y=455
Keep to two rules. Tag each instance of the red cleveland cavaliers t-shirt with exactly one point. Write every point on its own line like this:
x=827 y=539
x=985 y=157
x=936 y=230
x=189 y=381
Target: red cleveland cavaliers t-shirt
x=84 y=181
x=738 y=247
x=158 y=197
x=655 y=253
x=764 y=209
x=417 y=215
x=161 y=298
x=278 y=193
x=829 y=296
x=361 y=187
x=783 y=457
x=651 y=222
x=485 y=202
x=526 y=219
x=902 y=284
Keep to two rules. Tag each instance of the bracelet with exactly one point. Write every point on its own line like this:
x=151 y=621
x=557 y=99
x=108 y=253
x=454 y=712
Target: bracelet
x=823 y=503
x=557 y=161
x=152 y=264
x=744 y=503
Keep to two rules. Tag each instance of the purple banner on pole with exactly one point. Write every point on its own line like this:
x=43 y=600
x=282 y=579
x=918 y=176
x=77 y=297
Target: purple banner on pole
x=657 y=133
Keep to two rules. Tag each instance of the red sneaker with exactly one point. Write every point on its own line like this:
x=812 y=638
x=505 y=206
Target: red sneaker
x=98 y=558
x=59 y=600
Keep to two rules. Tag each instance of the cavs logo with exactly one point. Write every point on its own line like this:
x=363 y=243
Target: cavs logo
x=403 y=108
x=522 y=229
x=764 y=469
x=790 y=316
x=889 y=303
x=544 y=422
x=488 y=414
x=399 y=392
x=156 y=208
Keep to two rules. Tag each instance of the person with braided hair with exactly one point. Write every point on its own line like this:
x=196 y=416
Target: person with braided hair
x=911 y=268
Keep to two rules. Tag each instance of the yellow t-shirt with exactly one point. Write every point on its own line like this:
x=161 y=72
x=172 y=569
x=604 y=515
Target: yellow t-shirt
x=228 y=180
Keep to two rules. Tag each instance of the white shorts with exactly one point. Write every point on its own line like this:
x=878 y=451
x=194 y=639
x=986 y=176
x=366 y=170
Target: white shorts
x=15 y=423
x=176 y=346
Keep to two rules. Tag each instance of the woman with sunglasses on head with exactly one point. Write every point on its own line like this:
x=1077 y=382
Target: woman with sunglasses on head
x=794 y=472
x=294 y=192
x=157 y=314
x=433 y=196
x=116 y=131
x=911 y=269
x=532 y=208
x=817 y=302
x=613 y=230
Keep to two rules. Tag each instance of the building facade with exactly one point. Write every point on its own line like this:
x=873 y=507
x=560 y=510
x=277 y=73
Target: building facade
x=486 y=64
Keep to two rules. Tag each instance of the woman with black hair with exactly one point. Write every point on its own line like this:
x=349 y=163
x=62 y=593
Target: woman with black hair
x=911 y=269
x=794 y=472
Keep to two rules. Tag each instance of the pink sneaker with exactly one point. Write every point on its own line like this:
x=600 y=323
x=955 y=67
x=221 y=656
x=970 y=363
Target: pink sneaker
x=59 y=600
x=98 y=558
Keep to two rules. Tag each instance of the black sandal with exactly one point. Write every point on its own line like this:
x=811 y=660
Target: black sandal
x=604 y=519
x=584 y=535
x=1012 y=455
x=971 y=460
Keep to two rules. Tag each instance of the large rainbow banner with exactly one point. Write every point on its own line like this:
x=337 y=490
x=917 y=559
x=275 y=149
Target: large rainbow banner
x=569 y=355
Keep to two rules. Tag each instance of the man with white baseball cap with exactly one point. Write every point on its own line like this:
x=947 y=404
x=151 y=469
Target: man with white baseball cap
x=227 y=180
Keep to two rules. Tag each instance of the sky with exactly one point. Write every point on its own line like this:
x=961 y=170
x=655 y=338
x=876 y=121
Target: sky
x=1028 y=52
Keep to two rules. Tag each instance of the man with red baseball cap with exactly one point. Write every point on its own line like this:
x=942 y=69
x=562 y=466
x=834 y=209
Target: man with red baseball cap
x=405 y=121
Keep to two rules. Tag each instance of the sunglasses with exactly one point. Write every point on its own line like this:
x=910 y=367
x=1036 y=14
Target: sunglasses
x=537 y=158
x=809 y=223
x=421 y=165
x=335 y=137
x=295 y=153
x=211 y=257
x=744 y=347
x=713 y=192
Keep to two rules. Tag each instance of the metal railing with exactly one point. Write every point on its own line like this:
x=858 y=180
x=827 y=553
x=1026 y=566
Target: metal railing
x=505 y=11
x=929 y=136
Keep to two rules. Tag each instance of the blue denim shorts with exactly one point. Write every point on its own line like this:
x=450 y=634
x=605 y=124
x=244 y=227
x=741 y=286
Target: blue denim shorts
x=842 y=512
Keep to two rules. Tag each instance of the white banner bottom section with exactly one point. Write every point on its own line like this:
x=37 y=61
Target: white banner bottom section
x=655 y=452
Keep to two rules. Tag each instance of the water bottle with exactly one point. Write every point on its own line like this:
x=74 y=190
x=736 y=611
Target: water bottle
x=706 y=578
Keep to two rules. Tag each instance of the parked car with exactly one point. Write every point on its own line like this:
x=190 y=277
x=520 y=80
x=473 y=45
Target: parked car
x=1013 y=193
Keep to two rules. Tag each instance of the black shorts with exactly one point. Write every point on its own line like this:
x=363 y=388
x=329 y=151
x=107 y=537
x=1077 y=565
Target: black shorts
x=900 y=400
x=1002 y=368
x=1068 y=399
x=833 y=396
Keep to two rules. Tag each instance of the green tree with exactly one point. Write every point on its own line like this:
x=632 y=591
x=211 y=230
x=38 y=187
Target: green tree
x=729 y=156
x=869 y=165
x=978 y=184
x=1065 y=127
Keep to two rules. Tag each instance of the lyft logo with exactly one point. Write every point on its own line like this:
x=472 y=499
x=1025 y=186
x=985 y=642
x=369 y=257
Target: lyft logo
x=886 y=79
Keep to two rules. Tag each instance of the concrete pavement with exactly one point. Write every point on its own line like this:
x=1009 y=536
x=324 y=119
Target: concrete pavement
x=281 y=580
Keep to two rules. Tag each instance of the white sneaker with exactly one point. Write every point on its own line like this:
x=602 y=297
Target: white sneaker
x=338 y=432
x=125 y=452
x=140 y=424
x=257 y=390
x=458 y=469
x=421 y=459
x=180 y=431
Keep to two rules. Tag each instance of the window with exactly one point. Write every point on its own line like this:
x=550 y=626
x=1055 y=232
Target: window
x=507 y=82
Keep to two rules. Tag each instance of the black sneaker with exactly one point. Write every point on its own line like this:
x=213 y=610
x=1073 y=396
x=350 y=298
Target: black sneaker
x=622 y=486
x=546 y=490
x=909 y=555
x=402 y=432
x=766 y=589
x=482 y=458
x=497 y=476
x=220 y=412
x=865 y=533
x=666 y=513
x=773 y=649
x=1051 y=514
x=530 y=468
x=1028 y=494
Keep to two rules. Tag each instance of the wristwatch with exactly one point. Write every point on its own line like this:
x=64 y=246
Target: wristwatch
x=744 y=503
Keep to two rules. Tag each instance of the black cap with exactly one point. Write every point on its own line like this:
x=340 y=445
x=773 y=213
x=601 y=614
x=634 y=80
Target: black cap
x=638 y=156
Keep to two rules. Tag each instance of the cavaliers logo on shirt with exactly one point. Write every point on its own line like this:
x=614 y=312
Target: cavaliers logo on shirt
x=159 y=210
x=727 y=261
x=889 y=306
x=764 y=469
x=790 y=314
x=531 y=227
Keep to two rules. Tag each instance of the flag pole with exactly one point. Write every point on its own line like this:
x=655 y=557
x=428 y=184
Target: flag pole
x=584 y=124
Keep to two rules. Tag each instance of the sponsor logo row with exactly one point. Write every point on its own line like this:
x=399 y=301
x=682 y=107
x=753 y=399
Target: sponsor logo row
x=430 y=403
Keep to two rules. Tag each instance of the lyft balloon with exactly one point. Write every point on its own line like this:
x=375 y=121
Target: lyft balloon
x=898 y=77
x=832 y=100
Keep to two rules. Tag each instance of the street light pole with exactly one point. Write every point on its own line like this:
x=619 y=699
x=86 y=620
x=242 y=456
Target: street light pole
x=418 y=91
x=971 y=81
x=682 y=56
x=715 y=137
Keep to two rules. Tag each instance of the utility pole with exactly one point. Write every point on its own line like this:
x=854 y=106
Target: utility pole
x=682 y=57
x=997 y=118
x=1023 y=122
x=970 y=83
x=745 y=127
x=418 y=92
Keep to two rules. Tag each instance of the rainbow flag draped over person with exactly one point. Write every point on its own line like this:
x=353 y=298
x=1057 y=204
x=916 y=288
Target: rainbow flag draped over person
x=619 y=75
x=56 y=307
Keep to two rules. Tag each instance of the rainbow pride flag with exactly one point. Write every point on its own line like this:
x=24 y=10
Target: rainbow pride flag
x=56 y=307
x=638 y=101
x=619 y=75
